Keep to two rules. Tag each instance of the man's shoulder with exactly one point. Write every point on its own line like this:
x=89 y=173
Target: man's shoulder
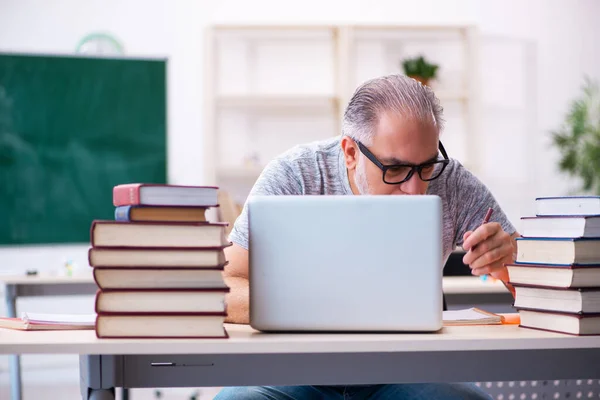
x=454 y=180
x=311 y=155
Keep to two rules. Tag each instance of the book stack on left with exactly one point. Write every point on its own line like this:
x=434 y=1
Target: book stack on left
x=557 y=270
x=158 y=265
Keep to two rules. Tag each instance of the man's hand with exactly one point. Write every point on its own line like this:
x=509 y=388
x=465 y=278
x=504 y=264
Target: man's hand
x=488 y=249
x=236 y=277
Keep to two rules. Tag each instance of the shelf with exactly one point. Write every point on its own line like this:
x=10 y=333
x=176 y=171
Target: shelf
x=444 y=95
x=264 y=102
x=276 y=101
x=251 y=92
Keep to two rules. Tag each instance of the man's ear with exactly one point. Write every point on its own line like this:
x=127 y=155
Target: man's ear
x=350 y=150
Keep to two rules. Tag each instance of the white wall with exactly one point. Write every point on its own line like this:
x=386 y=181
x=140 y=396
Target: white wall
x=563 y=34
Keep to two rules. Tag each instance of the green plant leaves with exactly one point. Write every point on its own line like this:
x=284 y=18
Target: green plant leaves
x=419 y=67
x=578 y=139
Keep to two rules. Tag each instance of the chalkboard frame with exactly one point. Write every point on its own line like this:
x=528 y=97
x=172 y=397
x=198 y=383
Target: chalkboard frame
x=71 y=128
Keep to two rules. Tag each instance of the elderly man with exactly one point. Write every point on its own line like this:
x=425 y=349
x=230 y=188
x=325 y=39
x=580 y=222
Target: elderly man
x=390 y=145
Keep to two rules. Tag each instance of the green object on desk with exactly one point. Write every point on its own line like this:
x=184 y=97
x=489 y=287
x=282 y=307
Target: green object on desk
x=71 y=128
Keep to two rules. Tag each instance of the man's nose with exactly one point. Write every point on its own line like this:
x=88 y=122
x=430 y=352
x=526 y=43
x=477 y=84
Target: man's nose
x=413 y=185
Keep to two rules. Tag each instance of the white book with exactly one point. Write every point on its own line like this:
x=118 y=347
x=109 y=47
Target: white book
x=470 y=316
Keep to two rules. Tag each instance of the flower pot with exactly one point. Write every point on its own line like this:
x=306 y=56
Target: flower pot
x=424 y=81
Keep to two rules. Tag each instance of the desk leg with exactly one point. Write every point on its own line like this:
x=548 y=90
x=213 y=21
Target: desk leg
x=14 y=360
x=97 y=377
x=101 y=394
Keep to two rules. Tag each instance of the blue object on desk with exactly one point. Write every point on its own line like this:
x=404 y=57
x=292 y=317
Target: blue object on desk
x=122 y=213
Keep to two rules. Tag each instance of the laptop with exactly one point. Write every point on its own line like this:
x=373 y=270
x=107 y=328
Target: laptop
x=345 y=263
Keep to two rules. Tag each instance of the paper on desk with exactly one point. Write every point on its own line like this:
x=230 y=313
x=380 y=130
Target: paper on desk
x=471 y=316
x=76 y=319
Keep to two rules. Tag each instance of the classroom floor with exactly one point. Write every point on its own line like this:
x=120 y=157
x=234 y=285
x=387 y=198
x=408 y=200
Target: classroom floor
x=71 y=392
x=520 y=390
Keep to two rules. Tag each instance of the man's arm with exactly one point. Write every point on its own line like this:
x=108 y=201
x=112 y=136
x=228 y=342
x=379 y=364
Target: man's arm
x=236 y=277
x=278 y=178
x=490 y=245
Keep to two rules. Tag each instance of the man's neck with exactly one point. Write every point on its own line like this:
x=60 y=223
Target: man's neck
x=352 y=182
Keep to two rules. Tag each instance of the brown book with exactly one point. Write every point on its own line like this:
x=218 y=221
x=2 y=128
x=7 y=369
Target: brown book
x=567 y=276
x=160 y=213
x=149 y=301
x=192 y=326
x=573 y=324
x=157 y=257
x=157 y=234
x=155 y=278
x=586 y=301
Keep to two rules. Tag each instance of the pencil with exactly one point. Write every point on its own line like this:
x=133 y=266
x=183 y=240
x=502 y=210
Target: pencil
x=488 y=215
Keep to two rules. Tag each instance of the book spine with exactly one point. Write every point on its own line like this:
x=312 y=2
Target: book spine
x=126 y=195
x=123 y=213
x=92 y=229
x=170 y=290
x=95 y=270
x=96 y=299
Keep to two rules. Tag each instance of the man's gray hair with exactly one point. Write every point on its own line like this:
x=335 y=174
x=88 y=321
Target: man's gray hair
x=396 y=93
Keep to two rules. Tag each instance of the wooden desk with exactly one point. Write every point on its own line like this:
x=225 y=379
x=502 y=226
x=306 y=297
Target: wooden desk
x=455 y=354
x=465 y=289
x=38 y=285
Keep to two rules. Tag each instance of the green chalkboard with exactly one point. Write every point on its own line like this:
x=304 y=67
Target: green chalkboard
x=71 y=128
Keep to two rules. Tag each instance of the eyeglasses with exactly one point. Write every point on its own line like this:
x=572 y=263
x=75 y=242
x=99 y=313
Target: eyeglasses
x=400 y=173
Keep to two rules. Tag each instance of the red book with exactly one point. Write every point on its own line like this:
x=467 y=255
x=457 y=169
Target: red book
x=174 y=235
x=161 y=325
x=132 y=278
x=171 y=301
x=148 y=194
x=157 y=257
x=561 y=322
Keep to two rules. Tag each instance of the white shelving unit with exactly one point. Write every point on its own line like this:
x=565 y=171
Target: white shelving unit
x=269 y=88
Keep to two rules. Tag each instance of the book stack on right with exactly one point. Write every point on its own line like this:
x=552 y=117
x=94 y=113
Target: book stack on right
x=158 y=265
x=556 y=274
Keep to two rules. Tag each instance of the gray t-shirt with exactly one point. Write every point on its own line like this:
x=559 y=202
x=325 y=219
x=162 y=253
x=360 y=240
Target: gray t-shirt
x=318 y=168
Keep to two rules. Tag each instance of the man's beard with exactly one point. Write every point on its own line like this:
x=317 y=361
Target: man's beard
x=360 y=177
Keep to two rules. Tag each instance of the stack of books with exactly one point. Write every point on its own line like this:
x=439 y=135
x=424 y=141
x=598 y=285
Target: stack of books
x=158 y=265
x=557 y=270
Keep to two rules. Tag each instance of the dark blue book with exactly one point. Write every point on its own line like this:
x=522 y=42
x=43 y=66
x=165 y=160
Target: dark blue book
x=122 y=213
x=567 y=205
x=545 y=250
x=554 y=275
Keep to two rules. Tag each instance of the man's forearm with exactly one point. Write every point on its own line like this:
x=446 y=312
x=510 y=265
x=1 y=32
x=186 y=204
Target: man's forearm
x=238 y=301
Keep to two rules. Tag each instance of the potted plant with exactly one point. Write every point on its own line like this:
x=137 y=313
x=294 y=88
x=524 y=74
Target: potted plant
x=420 y=69
x=578 y=139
